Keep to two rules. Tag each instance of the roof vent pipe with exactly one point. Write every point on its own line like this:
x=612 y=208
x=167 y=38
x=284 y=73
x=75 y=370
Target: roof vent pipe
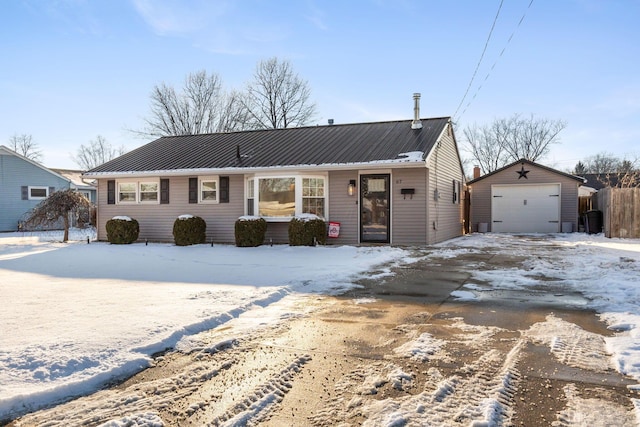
x=416 y=123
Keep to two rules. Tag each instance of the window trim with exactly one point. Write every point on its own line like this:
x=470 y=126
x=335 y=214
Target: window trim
x=37 y=187
x=209 y=178
x=298 y=177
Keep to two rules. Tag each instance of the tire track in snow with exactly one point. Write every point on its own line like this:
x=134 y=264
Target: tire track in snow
x=257 y=403
x=145 y=397
x=593 y=412
x=479 y=393
x=570 y=344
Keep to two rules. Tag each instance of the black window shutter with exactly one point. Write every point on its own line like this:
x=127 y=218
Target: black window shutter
x=455 y=194
x=24 y=190
x=193 y=190
x=164 y=191
x=111 y=192
x=224 y=189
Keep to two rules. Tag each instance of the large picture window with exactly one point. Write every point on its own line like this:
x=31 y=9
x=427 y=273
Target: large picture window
x=283 y=197
x=130 y=192
x=277 y=197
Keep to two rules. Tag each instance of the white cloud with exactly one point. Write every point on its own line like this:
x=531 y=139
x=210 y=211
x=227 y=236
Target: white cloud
x=169 y=17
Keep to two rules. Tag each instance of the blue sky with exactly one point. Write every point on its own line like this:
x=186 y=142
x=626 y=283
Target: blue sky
x=75 y=69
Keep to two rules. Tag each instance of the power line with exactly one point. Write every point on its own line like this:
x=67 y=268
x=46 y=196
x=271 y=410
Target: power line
x=481 y=57
x=496 y=61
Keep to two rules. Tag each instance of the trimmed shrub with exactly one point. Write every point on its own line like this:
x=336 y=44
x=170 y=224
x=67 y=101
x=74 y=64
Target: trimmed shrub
x=122 y=230
x=307 y=230
x=189 y=230
x=250 y=231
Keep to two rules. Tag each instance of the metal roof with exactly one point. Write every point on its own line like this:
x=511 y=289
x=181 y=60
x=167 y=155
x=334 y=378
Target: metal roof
x=306 y=146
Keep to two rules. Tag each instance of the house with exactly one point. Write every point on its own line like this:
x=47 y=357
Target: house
x=23 y=184
x=524 y=197
x=85 y=187
x=395 y=182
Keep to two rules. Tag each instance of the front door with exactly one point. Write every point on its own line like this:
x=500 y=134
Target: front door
x=375 y=208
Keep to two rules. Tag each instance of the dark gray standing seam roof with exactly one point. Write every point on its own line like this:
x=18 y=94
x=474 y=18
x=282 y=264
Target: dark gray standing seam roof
x=307 y=146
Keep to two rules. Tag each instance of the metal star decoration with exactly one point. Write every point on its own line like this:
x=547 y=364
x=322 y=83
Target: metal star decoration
x=522 y=173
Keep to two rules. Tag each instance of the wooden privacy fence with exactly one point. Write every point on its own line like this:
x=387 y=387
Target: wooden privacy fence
x=620 y=211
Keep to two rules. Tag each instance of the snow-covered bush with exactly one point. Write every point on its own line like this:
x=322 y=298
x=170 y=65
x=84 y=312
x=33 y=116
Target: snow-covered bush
x=307 y=230
x=122 y=230
x=189 y=230
x=250 y=231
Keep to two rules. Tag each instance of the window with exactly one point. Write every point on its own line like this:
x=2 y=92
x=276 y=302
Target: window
x=456 y=191
x=277 y=197
x=313 y=196
x=281 y=198
x=209 y=190
x=127 y=192
x=38 y=193
x=251 y=191
x=130 y=192
x=148 y=192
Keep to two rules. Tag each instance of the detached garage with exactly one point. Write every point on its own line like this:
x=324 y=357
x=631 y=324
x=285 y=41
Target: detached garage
x=524 y=197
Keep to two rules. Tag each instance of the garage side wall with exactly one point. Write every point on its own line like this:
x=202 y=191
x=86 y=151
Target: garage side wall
x=481 y=192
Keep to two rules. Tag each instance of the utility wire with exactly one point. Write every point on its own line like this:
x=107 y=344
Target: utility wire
x=496 y=61
x=481 y=57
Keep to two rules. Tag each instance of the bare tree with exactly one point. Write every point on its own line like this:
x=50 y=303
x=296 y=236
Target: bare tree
x=58 y=205
x=510 y=139
x=97 y=152
x=613 y=172
x=277 y=97
x=201 y=107
x=25 y=146
x=602 y=163
x=484 y=148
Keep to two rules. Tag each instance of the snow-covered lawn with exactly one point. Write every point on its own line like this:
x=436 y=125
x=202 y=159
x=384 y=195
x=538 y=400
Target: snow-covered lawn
x=75 y=316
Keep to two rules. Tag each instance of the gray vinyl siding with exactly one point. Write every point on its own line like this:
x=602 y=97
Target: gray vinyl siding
x=481 y=193
x=409 y=213
x=344 y=208
x=16 y=173
x=444 y=215
x=156 y=220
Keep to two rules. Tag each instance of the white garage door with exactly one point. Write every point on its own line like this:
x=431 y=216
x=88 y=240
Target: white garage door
x=525 y=208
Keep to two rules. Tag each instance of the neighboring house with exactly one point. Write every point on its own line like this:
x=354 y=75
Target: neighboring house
x=598 y=181
x=83 y=186
x=396 y=182
x=23 y=184
x=525 y=197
